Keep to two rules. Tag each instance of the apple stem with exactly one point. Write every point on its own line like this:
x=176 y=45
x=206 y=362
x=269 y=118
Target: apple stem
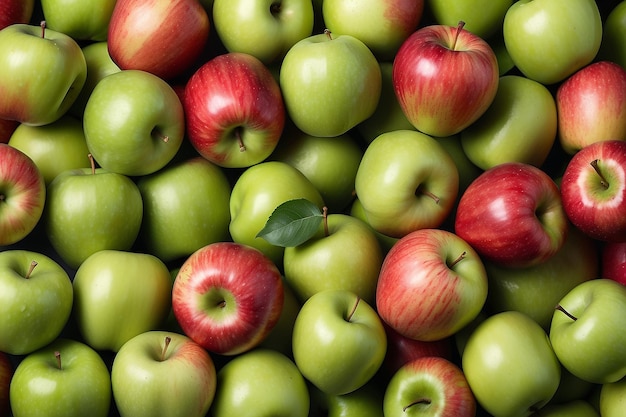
x=429 y=194
x=160 y=135
x=567 y=313
x=42 y=24
x=595 y=166
x=57 y=355
x=425 y=401
x=458 y=32
x=457 y=260
x=165 y=346
x=92 y=162
x=242 y=147
x=356 y=304
x=32 y=266
x=328 y=33
x=325 y=219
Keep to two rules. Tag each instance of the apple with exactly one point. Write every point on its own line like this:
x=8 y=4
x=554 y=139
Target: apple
x=279 y=338
x=519 y=126
x=339 y=342
x=227 y=297
x=510 y=365
x=366 y=401
x=84 y=21
x=483 y=18
x=572 y=388
x=265 y=29
x=234 y=110
x=163 y=373
x=548 y=41
x=512 y=215
x=260 y=382
x=443 y=272
x=613 y=398
x=65 y=378
x=575 y=408
x=16 y=11
x=613 y=261
x=593 y=190
x=406 y=181
x=6 y=374
x=587 y=331
x=445 y=78
x=612 y=48
x=147 y=35
x=592 y=106
x=386 y=242
x=134 y=123
x=22 y=195
x=42 y=73
x=431 y=386
x=329 y=83
x=380 y=24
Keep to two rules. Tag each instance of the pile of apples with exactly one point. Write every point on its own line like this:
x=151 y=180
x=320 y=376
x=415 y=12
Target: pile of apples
x=312 y=208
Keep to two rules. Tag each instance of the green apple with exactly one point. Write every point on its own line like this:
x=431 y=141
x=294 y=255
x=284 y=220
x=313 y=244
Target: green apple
x=55 y=147
x=575 y=408
x=339 y=342
x=330 y=83
x=65 y=378
x=587 y=331
x=613 y=47
x=158 y=373
x=36 y=299
x=572 y=388
x=196 y=187
x=549 y=40
x=279 y=338
x=613 y=399
x=256 y=194
x=510 y=365
x=260 y=382
x=91 y=209
x=85 y=21
x=406 y=181
x=266 y=29
x=134 y=123
x=519 y=125
x=366 y=401
x=118 y=295
x=322 y=263
x=483 y=18
x=386 y=242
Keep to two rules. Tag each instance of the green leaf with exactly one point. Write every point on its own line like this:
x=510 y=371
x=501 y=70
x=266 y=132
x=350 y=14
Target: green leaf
x=292 y=223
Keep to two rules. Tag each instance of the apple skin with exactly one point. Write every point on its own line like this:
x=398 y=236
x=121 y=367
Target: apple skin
x=536 y=30
x=612 y=47
x=483 y=18
x=445 y=78
x=16 y=11
x=441 y=270
x=612 y=398
x=227 y=297
x=613 y=261
x=429 y=385
x=81 y=387
x=234 y=110
x=592 y=106
x=146 y=35
x=84 y=21
x=6 y=373
x=594 y=199
x=575 y=408
x=22 y=193
x=512 y=215
x=147 y=383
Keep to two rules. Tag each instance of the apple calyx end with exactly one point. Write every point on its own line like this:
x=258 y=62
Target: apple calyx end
x=596 y=168
x=57 y=356
x=356 y=304
x=567 y=313
x=166 y=344
x=31 y=267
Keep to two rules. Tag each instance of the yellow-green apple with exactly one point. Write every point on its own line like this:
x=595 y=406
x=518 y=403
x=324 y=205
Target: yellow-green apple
x=6 y=374
x=234 y=110
x=91 y=209
x=162 y=373
x=445 y=77
x=65 y=378
x=381 y=25
x=22 y=195
x=227 y=297
x=587 y=331
x=443 y=272
x=194 y=186
x=535 y=290
x=36 y=300
x=591 y=106
x=134 y=123
x=510 y=365
x=549 y=42
x=329 y=83
x=16 y=11
x=256 y=194
x=55 y=147
x=148 y=35
x=260 y=381
x=613 y=399
x=406 y=181
x=593 y=190
x=519 y=126
x=512 y=215
x=339 y=341
x=612 y=47
x=265 y=29
x=7 y=127
x=42 y=73
x=386 y=242
x=431 y=386
x=613 y=261
x=322 y=263
x=574 y=408
x=83 y=21
x=366 y=401
x=483 y=18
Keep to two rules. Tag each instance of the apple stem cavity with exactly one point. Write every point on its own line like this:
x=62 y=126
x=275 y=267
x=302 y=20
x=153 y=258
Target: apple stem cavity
x=459 y=28
x=596 y=168
x=567 y=313
x=57 y=355
x=458 y=259
x=165 y=346
x=356 y=304
x=160 y=136
x=32 y=266
x=328 y=34
x=423 y=401
x=42 y=24
x=275 y=8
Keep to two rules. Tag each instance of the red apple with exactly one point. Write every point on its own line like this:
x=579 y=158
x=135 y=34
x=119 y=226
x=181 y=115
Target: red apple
x=591 y=106
x=227 y=297
x=163 y=37
x=444 y=78
x=512 y=215
x=6 y=373
x=234 y=109
x=7 y=127
x=15 y=11
x=593 y=189
x=613 y=261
